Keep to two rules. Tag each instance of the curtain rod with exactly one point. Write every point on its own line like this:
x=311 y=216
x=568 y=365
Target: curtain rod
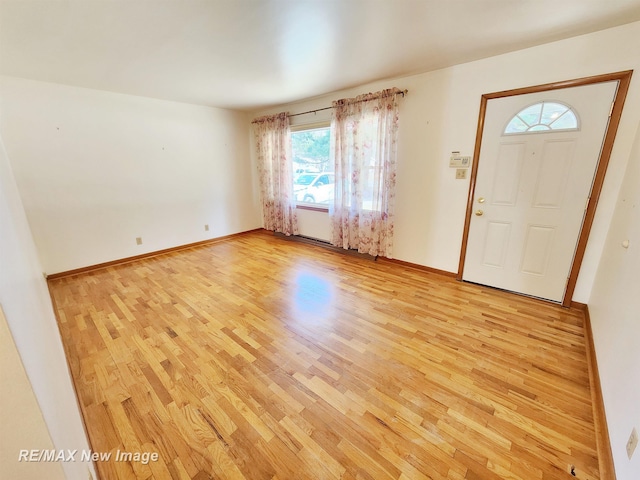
x=401 y=92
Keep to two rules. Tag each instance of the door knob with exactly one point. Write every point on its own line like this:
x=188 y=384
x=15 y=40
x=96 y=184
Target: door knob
x=479 y=213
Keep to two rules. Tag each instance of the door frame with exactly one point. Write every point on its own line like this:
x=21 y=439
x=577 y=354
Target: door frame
x=624 y=79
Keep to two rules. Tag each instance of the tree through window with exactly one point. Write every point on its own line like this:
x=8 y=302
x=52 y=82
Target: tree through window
x=313 y=180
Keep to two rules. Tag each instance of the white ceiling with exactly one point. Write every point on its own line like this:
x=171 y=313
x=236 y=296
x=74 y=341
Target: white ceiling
x=249 y=54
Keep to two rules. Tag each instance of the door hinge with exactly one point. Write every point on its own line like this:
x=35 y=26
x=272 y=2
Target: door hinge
x=611 y=109
x=586 y=205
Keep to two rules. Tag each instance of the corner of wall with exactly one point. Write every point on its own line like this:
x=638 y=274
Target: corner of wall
x=31 y=320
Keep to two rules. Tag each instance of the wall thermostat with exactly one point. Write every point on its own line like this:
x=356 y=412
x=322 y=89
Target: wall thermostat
x=459 y=161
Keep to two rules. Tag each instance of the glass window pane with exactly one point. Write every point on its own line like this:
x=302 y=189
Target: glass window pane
x=566 y=121
x=310 y=155
x=516 y=126
x=531 y=115
x=541 y=117
x=304 y=179
x=551 y=111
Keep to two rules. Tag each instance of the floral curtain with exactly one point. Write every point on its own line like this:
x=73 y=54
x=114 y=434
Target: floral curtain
x=276 y=173
x=365 y=131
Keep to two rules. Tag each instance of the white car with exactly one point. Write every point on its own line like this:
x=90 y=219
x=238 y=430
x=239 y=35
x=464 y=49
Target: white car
x=314 y=187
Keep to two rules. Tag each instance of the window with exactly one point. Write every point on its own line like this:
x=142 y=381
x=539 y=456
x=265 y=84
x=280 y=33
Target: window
x=543 y=117
x=313 y=179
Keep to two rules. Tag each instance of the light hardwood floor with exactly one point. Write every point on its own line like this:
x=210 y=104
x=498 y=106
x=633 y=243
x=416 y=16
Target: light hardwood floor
x=261 y=358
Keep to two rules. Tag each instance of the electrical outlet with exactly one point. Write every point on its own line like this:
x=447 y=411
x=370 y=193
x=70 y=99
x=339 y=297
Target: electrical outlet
x=461 y=173
x=632 y=443
x=206 y=228
x=138 y=240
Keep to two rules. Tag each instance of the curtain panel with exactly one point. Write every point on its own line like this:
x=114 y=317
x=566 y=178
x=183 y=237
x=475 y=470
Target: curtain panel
x=276 y=173
x=365 y=138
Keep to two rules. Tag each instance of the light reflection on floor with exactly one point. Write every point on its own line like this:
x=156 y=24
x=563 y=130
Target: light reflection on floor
x=313 y=298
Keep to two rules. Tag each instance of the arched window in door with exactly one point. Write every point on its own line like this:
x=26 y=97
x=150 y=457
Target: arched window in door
x=543 y=117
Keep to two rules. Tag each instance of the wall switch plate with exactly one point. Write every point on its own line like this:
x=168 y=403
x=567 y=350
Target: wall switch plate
x=206 y=228
x=461 y=173
x=632 y=443
x=138 y=240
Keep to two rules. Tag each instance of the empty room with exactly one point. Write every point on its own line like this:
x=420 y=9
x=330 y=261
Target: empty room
x=320 y=239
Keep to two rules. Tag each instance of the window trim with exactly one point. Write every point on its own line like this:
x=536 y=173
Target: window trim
x=309 y=126
x=309 y=206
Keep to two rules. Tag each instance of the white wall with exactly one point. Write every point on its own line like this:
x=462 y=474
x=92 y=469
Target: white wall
x=440 y=115
x=98 y=169
x=615 y=316
x=25 y=300
x=20 y=415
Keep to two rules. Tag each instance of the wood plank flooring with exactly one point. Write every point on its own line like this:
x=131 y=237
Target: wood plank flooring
x=261 y=358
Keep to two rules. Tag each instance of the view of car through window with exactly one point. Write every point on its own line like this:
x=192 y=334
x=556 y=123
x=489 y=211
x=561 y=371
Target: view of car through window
x=313 y=182
x=314 y=188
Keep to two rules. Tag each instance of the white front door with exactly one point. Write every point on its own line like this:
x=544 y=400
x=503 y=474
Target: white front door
x=532 y=189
